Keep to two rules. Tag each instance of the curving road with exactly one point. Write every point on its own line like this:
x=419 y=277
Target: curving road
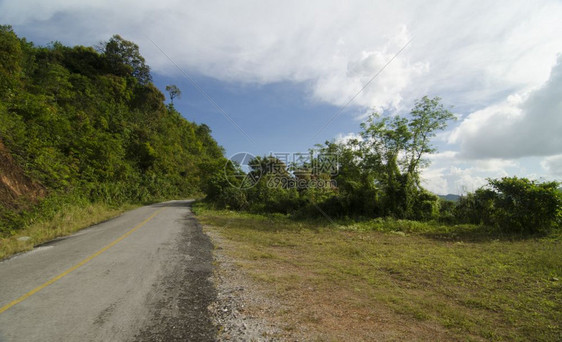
x=143 y=276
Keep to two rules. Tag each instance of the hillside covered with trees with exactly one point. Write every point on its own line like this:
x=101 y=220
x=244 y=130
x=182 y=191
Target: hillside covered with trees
x=84 y=124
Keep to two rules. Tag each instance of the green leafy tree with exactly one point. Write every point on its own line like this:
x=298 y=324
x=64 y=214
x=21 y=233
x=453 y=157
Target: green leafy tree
x=513 y=205
x=525 y=206
x=476 y=208
x=125 y=59
x=11 y=56
x=174 y=92
x=427 y=118
x=393 y=150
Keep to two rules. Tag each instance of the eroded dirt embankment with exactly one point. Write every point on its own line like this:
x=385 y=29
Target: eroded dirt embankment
x=16 y=189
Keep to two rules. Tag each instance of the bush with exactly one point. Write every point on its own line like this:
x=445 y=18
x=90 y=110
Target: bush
x=426 y=206
x=447 y=211
x=476 y=208
x=232 y=198
x=525 y=206
x=513 y=205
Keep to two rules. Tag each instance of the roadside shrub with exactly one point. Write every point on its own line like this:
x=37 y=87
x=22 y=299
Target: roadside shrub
x=426 y=206
x=447 y=211
x=476 y=208
x=513 y=205
x=525 y=206
x=232 y=198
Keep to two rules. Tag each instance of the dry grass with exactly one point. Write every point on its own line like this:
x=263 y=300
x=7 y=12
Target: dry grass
x=372 y=285
x=67 y=221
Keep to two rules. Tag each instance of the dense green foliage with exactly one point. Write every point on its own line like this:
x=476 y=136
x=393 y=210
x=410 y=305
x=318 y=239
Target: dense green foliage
x=88 y=122
x=375 y=176
x=378 y=175
x=515 y=205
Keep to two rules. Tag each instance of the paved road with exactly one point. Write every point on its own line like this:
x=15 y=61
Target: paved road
x=143 y=276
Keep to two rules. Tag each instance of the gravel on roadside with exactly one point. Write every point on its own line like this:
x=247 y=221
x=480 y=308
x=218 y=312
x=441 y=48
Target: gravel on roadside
x=242 y=311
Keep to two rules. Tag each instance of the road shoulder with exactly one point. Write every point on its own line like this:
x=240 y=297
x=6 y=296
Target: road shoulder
x=243 y=310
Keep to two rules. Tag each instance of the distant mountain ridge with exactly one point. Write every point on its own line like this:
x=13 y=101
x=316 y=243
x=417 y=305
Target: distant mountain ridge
x=450 y=197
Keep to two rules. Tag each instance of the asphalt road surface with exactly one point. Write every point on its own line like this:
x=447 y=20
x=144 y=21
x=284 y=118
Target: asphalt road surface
x=143 y=276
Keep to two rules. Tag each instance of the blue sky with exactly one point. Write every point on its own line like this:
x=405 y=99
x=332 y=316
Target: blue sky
x=281 y=69
x=277 y=117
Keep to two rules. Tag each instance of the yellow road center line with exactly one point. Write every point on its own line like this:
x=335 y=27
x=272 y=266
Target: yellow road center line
x=78 y=265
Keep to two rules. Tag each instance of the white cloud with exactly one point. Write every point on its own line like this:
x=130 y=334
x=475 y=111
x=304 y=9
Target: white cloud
x=443 y=156
x=384 y=89
x=468 y=52
x=449 y=172
x=553 y=165
x=450 y=175
x=434 y=181
x=526 y=124
x=345 y=138
x=495 y=165
x=458 y=179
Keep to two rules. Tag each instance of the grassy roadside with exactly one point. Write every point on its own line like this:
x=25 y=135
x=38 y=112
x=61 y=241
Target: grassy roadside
x=406 y=281
x=67 y=220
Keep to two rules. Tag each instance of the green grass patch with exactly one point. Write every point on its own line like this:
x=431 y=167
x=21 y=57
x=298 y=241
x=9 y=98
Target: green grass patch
x=466 y=280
